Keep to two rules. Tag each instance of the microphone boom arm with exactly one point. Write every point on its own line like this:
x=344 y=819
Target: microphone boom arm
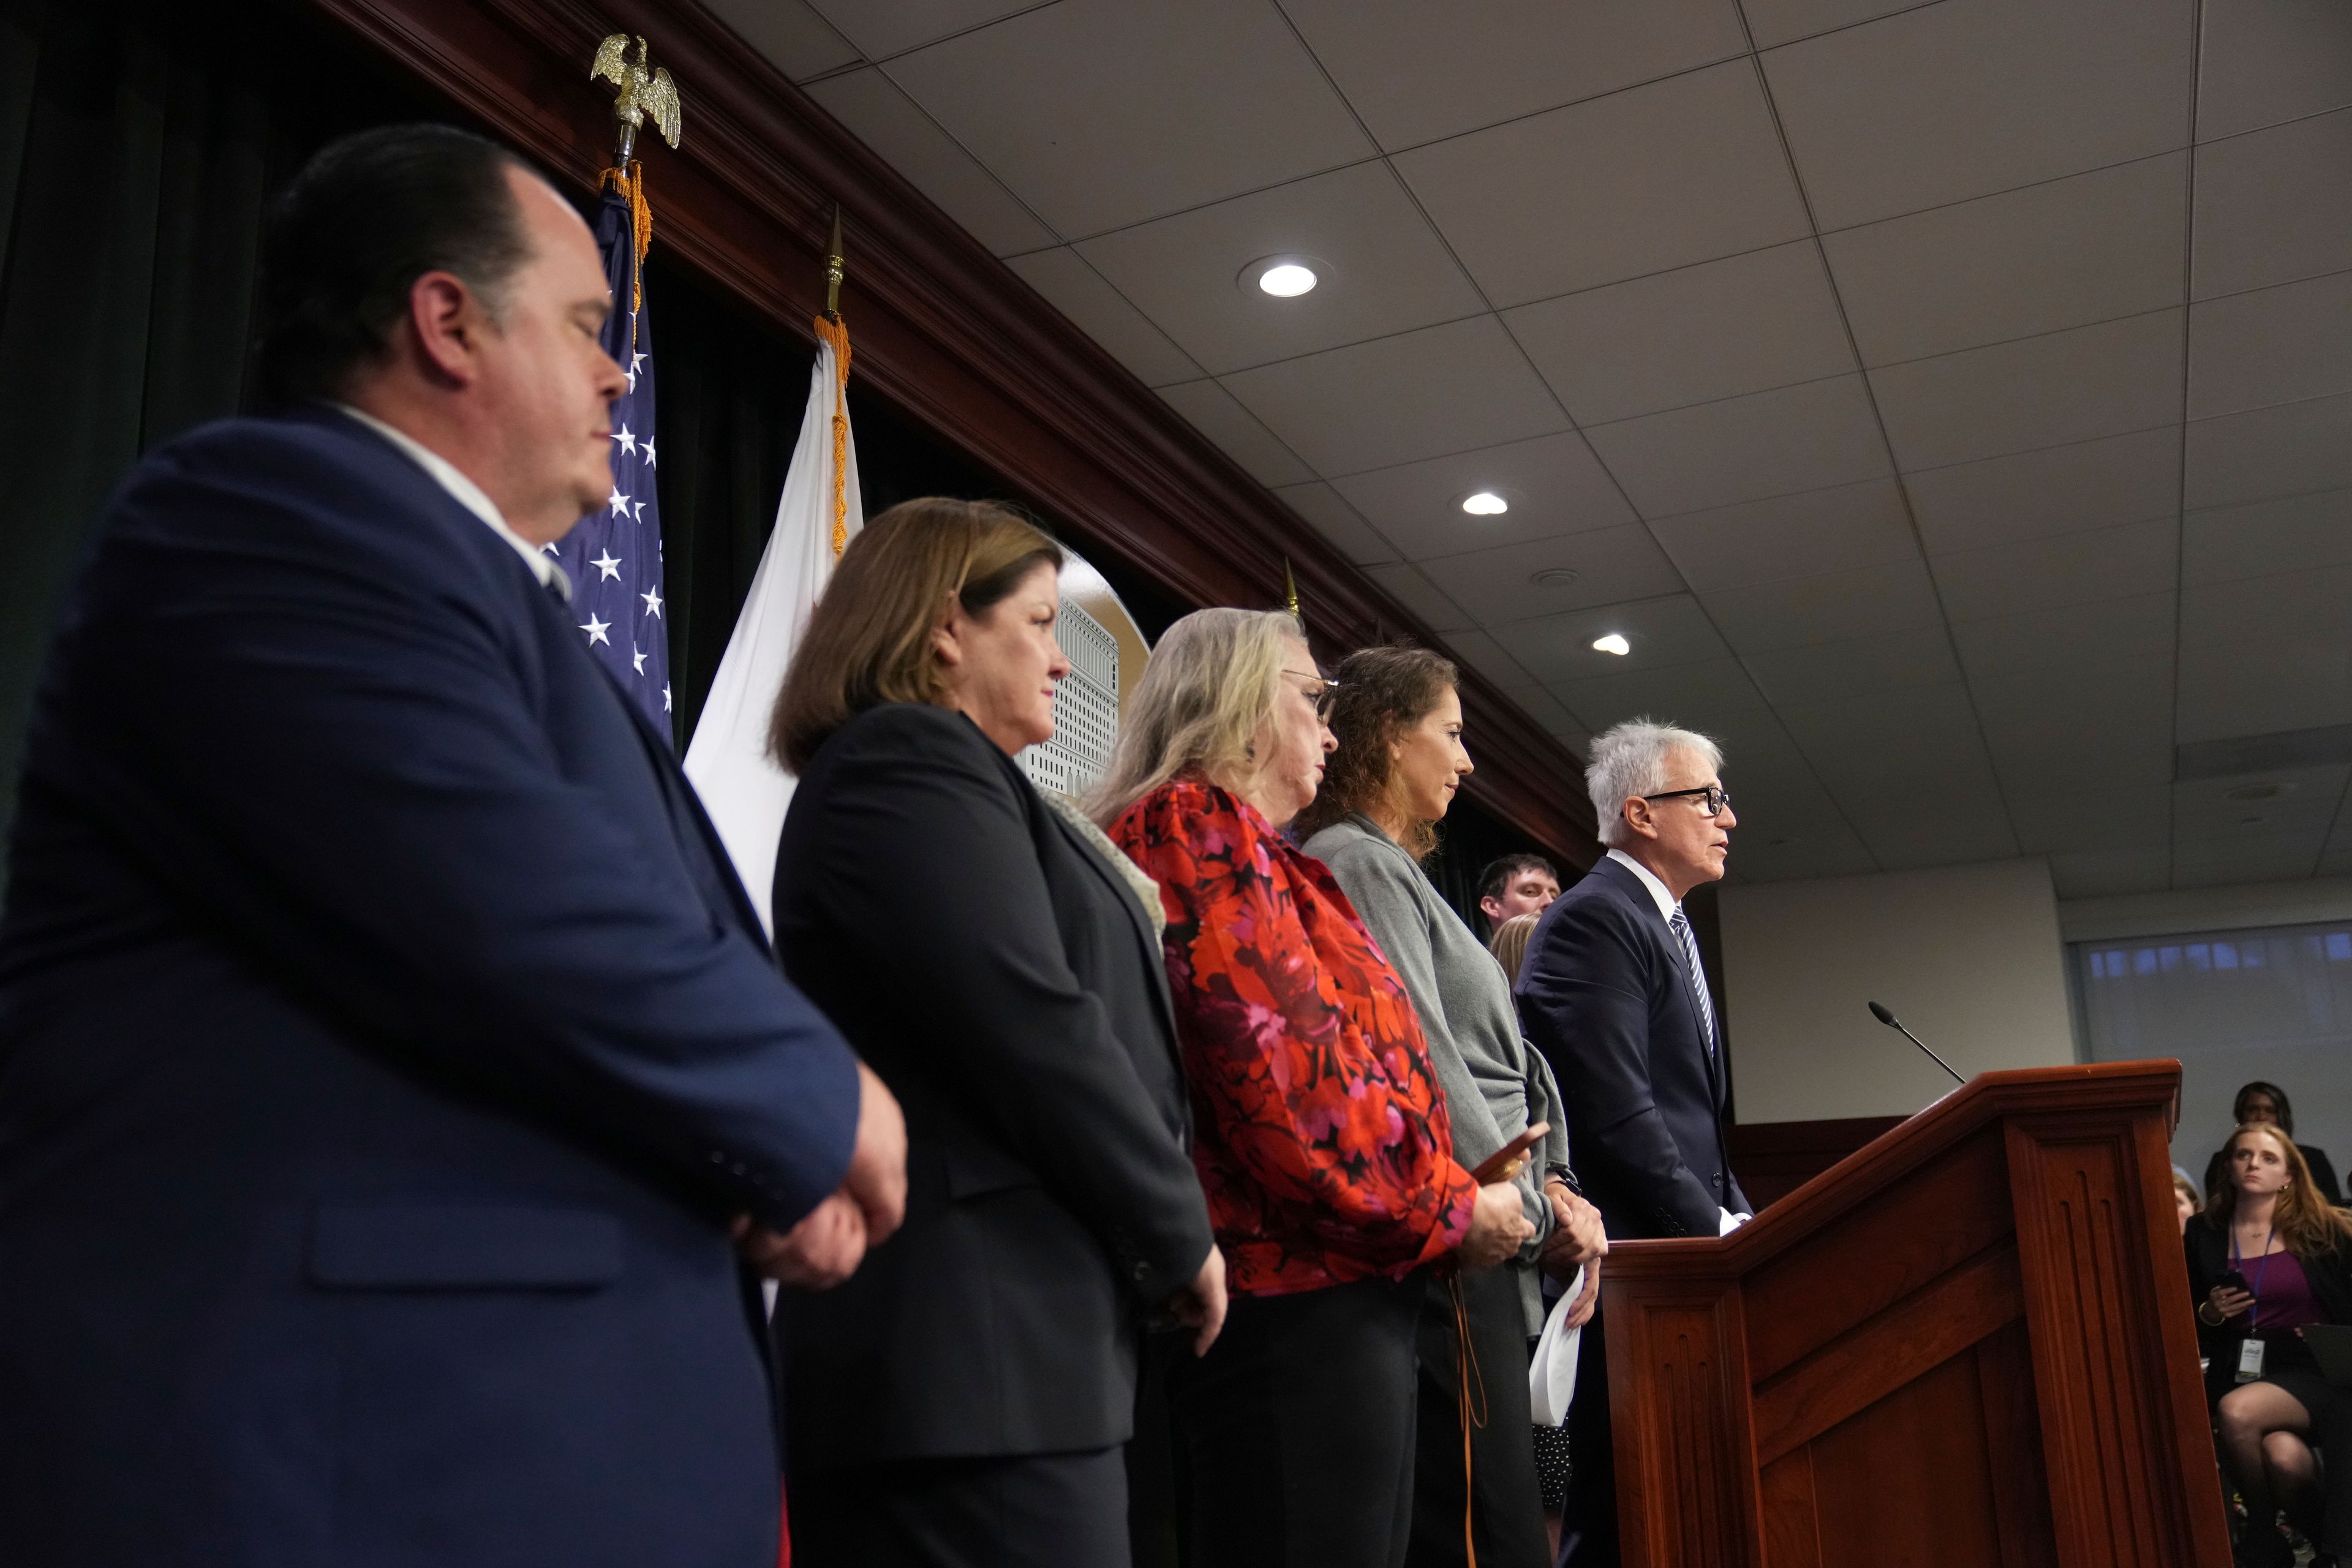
x=1879 y=1012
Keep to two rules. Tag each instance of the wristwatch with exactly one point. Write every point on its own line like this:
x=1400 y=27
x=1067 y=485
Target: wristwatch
x=1564 y=1177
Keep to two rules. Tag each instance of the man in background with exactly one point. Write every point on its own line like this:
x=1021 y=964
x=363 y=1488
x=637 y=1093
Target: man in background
x=1612 y=994
x=394 y=1079
x=1516 y=885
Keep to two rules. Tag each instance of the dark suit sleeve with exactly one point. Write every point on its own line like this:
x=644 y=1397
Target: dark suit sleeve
x=330 y=756
x=922 y=844
x=1586 y=1007
x=2323 y=1173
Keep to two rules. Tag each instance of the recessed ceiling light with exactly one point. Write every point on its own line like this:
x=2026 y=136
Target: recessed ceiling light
x=1554 y=577
x=2266 y=790
x=1486 y=503
x=1613 y=643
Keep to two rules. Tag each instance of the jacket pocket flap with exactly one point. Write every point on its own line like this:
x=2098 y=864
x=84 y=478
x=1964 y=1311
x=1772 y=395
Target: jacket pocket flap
x=977 y=1168
x=463 y=1247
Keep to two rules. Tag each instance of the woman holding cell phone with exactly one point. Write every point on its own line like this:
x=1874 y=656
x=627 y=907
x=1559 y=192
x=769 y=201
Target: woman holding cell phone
x=2266 y=1258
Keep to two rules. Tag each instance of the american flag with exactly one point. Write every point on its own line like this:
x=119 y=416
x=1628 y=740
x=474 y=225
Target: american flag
x=615 y=557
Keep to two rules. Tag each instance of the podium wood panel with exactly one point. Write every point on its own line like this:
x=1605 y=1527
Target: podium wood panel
x=1967 y=1344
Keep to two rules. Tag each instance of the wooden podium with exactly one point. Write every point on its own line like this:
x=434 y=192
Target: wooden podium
x=1967 y=1344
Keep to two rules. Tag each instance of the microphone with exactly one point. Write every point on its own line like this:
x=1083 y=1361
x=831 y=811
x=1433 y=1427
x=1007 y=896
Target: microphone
x=1878 y=1011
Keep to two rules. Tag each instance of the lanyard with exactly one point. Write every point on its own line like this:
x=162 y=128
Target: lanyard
x=2254 y=1312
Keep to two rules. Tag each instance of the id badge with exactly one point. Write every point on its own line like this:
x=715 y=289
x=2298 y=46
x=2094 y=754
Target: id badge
x=2250 y=1361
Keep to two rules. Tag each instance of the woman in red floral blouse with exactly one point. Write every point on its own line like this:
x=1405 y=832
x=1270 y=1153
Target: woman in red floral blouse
x=1322 y=1137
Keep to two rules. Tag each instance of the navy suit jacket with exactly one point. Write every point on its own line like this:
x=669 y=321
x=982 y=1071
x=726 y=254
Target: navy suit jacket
x=1605 y=996
x=384 y=1046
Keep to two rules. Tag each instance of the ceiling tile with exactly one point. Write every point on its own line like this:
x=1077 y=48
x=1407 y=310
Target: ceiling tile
x=2074 y=386
x=1910 y=841
x=1252 y=107
x=2293 y=448
x=1408 y=587
x=1552 y=714
x=1680 y=171
x=2089 y=249
x=2095 y=722
x=2306 y=802
x=1746 y=323
x=1808 y=437
x=2039 y=641
x=2272 y=207
x=1834 y=852
x=2271 y=346
x=2267 y=858
x=1381 y=269
x=2102 y=873
x=1554 y=486
x=902 y=25
x=788 y=33
x=2059 y=489
x=1790 y=536
x=1693 y=695
x=1951 y=101
x=2109 y=819
x=1785 y=21
x=1485 y=655
x=1098 y=309
x=1416 y=75
x=2296 y=533
x=907 y=139
x=1663 y=632
x=1881 y=750
x=1831 y=671
x=2265 y=654
x=2264 y=61
x=1337 y=521
x=1418 y=394
x=1612 y=567
x=2071 y=569
x=1213 y=412
x=1797 y=612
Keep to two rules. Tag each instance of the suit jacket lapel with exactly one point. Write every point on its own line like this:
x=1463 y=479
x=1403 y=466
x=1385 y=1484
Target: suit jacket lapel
x=1155 y=963
x=1635 y=889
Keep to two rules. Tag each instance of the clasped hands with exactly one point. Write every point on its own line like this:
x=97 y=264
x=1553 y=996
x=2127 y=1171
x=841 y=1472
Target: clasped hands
x=1577 y=1241
x=830 y=1241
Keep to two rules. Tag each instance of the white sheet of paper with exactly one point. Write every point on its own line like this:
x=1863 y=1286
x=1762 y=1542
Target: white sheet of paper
x=1551 y=1376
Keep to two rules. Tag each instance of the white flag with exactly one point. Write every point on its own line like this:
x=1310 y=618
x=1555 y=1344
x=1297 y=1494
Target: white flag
x=741 y=785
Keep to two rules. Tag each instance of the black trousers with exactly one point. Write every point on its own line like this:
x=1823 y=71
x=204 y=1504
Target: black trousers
x=1504 y=1500
x=1033 y=1511
x=1294 y=1432
x=1588 y=1533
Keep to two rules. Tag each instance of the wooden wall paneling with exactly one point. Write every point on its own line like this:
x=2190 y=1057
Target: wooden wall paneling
x=938 y=325
x=2012 y=1436
x=1685 y=1440
x=2109 y=1418
x=1791 y=1509
x=1907 y=1480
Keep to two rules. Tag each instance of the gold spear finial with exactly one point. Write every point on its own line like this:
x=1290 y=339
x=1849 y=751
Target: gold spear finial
x=1290 y=593
x=834 y=266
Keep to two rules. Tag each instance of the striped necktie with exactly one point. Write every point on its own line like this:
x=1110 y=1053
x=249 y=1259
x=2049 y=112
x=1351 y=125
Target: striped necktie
x=1680 y=924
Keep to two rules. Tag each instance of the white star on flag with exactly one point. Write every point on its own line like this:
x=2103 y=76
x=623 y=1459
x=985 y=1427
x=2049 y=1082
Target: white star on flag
x=664 y=696
x=640 y=516
x=596 y=630
x=605 y=564
x=618 y=503
x=628 y=442
x=653 y=603
x=649 y=450
x=637 y=657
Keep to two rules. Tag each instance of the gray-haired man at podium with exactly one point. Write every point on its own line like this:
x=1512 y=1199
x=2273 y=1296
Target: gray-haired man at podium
x=1613 y=995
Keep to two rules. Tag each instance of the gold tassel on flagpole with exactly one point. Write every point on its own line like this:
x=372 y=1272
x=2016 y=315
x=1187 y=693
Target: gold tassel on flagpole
x=833 y=329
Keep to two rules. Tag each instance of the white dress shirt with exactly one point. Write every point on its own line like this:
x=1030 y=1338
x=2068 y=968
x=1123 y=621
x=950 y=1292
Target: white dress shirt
x=1668 y=906
x=468 y=495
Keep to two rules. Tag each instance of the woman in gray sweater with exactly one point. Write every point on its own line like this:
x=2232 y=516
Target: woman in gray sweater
x=1400 y=759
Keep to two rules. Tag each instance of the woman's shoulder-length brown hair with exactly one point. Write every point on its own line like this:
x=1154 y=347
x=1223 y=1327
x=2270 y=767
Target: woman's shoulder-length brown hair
x=869 y=638
x=1383 y=692
x=2303 y=1218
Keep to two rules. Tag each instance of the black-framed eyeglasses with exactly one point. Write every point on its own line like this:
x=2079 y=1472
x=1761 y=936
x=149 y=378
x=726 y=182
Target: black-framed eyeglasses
x=1326 y=690
x=1717 y=797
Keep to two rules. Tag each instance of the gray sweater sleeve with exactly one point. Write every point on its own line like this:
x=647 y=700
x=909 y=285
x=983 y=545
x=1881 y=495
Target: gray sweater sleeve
x=1385 y=887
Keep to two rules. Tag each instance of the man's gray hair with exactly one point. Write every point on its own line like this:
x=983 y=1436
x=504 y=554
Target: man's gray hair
x=1629 y=759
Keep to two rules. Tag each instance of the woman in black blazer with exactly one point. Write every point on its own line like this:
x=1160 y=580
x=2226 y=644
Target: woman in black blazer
x=2267 y=1259
x=964 y=1397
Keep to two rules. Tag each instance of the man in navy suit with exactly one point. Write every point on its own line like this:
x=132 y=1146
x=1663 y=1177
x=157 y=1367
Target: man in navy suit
x=394 y=1080
x=1612 y=994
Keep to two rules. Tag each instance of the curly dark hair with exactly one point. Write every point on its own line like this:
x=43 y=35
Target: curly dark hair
x=1383 y=692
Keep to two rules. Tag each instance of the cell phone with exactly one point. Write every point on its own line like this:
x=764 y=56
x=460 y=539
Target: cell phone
x=2232 y=1280
x=1504 y=1163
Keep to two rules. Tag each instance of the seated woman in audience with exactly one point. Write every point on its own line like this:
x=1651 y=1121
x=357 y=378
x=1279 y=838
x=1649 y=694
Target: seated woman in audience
x=965 y=1396
x=1400 y=760
x=1510 y=944
x=2266 y=1258
x=1322 y=1134
x=2260 y=1102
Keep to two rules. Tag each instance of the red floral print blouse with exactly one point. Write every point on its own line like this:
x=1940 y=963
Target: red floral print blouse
x=1322 y=1134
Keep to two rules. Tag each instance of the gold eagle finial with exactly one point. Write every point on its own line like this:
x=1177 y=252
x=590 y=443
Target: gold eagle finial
x=643 y=91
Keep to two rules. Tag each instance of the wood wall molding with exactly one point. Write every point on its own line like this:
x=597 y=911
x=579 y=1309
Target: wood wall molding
x=940 y=327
